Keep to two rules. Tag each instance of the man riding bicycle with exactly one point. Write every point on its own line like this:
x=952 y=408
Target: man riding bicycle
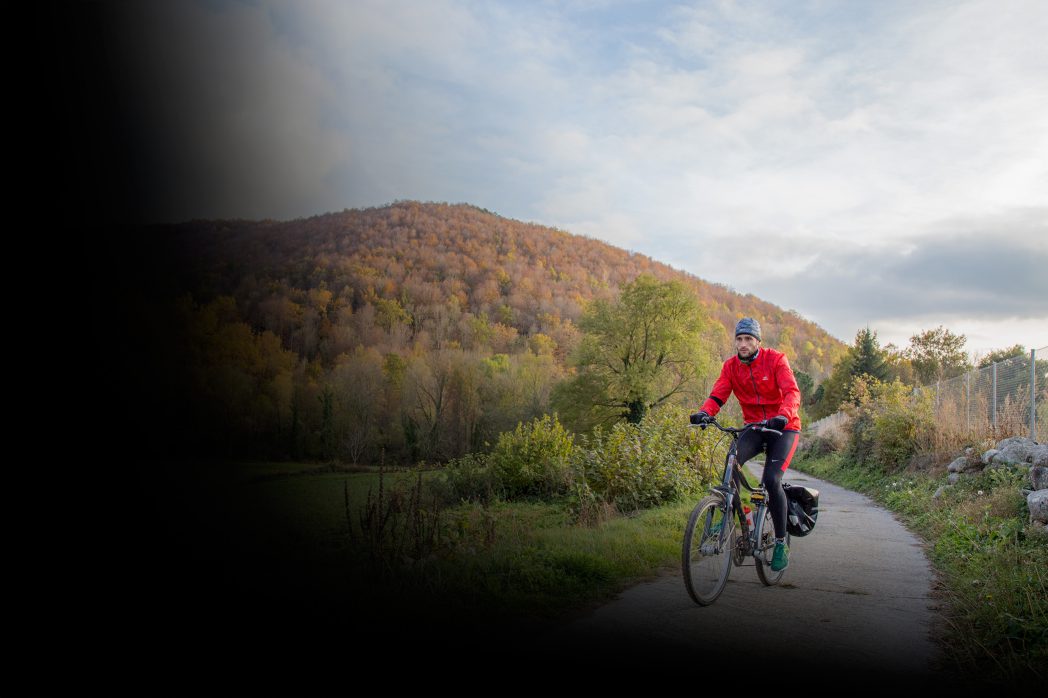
x=765 y=387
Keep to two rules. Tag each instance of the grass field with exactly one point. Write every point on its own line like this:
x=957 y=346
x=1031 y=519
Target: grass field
x=263 y=551
x=281 y=529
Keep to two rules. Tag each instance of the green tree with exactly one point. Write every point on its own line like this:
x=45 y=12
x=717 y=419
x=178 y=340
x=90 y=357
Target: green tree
x=937 y=355
x=864 y=358
x=999 y=355
x=806 y=384
x=899 y=366
x=867 y=356
x=636 y=353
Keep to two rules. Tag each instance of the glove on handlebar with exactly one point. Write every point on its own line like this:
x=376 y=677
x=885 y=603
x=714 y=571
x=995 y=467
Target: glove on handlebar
x=777 y=423
x=700 y=417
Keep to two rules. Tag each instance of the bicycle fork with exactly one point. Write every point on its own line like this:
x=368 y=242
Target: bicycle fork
x=721 y=542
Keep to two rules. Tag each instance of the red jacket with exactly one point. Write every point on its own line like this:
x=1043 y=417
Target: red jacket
x=765 y=388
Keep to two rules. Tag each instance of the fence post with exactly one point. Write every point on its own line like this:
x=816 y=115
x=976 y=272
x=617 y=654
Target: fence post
x=995 y=398
x=1033 y=394
x=968 y=401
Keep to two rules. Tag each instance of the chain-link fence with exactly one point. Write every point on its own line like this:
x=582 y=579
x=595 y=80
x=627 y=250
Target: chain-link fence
x=1007 y=398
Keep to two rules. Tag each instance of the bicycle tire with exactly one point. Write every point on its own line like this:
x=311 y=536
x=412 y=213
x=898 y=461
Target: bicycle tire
x=766 y=550
x=705 y=558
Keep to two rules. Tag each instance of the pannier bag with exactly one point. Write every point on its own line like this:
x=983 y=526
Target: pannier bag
x=802 y=509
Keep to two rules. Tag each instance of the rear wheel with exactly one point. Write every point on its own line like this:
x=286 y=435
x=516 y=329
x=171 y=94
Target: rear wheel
x=766 y=549
x=709 y=540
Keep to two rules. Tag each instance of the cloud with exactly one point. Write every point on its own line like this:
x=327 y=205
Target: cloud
x=982 y=270
x=749 y=143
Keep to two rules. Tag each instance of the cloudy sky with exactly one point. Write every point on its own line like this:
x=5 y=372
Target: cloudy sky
x=864 y=163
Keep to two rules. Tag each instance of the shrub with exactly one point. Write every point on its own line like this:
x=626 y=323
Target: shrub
x=533 y=459
x=635 y=466
x=900 y=418
x=888 y=422
x=468 y=478
x=817 y=446
x=860 y=424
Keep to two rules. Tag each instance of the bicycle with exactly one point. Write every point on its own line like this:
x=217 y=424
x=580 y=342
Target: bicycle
x=707 y=561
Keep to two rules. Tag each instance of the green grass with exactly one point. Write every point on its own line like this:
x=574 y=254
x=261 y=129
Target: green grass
x=994 y=571
x=527 y=563
x=511 y=561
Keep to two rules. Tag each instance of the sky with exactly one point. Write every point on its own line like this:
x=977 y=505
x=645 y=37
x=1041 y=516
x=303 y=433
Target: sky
x=880 y=164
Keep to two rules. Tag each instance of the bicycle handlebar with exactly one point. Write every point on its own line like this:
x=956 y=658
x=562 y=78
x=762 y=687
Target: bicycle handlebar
x=735 y=431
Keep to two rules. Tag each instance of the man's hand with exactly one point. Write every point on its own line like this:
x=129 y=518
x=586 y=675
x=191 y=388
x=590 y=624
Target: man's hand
x=777 y=423
x=700 y=417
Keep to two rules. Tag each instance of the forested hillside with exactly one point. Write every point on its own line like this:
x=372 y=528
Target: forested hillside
x=417 y=330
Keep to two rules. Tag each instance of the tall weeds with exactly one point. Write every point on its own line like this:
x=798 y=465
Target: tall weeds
x=395 y=527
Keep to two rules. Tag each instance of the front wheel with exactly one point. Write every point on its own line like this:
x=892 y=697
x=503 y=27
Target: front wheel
x=708 y=543
x=766 y=549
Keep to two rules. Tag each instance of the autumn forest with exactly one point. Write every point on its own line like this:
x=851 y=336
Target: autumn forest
x=410 y=332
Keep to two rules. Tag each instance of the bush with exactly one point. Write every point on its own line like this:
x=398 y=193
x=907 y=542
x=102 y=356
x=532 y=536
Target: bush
x=629 y=467
x=817 y=446
x=466 y=479
x=533 y=459
x=888 y=422
x=900 y=419
x=635 y=466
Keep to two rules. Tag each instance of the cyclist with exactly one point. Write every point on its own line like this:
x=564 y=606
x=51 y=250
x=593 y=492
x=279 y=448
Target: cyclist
x=765 y=387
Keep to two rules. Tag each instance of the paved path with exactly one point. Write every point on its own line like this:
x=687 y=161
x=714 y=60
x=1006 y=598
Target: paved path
x=855 y=604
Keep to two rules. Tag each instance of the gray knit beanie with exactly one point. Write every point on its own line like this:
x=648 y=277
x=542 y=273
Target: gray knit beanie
x=748 y=325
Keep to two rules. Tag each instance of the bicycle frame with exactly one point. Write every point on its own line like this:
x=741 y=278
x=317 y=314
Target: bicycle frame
x=718 y=543
x=732 y=479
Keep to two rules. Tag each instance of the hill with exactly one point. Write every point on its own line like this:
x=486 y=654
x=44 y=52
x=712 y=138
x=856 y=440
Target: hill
x=257 y=323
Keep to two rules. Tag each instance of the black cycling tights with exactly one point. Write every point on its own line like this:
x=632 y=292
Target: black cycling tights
x=779 y=451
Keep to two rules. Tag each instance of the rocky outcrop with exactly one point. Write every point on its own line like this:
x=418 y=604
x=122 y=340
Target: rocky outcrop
x=1014 y=452
x=1017 y=449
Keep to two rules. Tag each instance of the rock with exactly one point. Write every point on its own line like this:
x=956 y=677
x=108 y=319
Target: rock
x=1017 y=449
x=964 y=464
x=970 y=452
x=1039 y=455
x=939 y=492
x=987 y=457
x=1039 y=477
x=1014 y=453
x=1037 y=502
x=1038 y=529
x=1014 y=440
x=953 y=478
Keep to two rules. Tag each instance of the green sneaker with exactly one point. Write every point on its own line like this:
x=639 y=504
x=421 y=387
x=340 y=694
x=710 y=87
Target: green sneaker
x=781 y=559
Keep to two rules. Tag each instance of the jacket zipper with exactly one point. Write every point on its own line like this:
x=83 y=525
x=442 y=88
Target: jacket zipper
x=755 y=392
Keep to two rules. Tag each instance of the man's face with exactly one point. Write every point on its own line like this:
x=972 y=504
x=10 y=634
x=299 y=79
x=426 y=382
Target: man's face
x=746 y=345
